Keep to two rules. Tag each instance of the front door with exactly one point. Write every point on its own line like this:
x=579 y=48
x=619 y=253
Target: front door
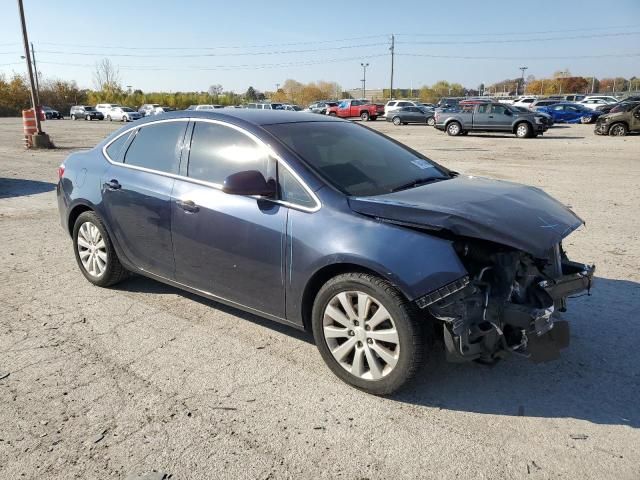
x=136 y=195
x=500 y=117
x=228 y=245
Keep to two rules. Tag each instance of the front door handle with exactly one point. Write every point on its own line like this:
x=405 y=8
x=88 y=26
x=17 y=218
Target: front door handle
x=490 y=116
x=113 y=184
x=187 y=205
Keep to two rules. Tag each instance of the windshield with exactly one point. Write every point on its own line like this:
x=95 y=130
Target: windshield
x=355 y=159
x=127 y=109
x=89 y=109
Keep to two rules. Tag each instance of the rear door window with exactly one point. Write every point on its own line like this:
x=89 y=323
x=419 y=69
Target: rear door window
x=157 y=147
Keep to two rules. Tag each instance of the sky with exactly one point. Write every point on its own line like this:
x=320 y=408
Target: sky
x=165 y=45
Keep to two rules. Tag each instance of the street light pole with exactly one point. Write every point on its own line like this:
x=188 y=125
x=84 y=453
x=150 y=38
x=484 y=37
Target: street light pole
x=364 y=79
x=522 y=81
x=27 y=55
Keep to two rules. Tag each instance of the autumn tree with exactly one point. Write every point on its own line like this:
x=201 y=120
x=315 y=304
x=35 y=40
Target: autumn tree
x=106 y=79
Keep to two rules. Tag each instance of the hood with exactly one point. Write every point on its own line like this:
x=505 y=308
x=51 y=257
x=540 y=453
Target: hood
x=507 y=213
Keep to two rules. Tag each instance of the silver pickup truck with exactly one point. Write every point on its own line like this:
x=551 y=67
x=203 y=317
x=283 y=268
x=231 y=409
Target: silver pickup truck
x=483 y=116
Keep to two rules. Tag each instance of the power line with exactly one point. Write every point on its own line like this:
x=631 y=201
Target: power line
x=518 y=40
x=122 y=47
x=202 y=55
x=519 y=57
x=519 y=33
x=221 y=67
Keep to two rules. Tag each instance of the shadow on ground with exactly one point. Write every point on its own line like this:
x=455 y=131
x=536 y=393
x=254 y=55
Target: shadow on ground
x=597 y=379
x=18 y=187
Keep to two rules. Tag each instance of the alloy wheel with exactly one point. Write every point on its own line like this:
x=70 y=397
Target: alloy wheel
x=92 y=249
x=361 y=335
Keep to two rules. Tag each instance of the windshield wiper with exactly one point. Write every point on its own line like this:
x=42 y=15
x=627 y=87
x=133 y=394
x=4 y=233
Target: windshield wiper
x=416 y=183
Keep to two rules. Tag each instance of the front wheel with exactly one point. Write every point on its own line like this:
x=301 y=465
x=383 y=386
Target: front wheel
x=586 y=119
x=367 y=332
x=523 y=130
x=396 y=121
x=109 y=118
x=73 y=117
x=431 y=121
x=364 y=116
x=454 y=129
x=618 y=130
x=332 y=114
x=94 y=251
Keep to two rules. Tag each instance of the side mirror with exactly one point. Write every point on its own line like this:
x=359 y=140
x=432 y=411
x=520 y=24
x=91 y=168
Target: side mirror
x=250 y=182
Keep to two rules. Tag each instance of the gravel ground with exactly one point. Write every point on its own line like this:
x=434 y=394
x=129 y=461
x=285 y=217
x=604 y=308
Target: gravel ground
x=120 y=383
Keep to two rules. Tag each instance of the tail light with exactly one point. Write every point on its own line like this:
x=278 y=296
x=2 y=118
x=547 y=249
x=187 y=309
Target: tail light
x=60 y=171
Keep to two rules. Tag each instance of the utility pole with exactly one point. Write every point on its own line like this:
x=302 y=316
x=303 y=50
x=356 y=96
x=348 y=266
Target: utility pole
x=39 y=139
x=35 y=67
x=392 y=48
x=27 y=55
x=614 y=87
x=522 y=81
x=593 y=83
x=364 y=79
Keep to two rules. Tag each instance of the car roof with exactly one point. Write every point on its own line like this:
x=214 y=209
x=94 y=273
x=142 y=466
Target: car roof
x=246 y=115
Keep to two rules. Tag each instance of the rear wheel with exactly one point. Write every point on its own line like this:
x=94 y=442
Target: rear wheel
x=454 y=129
x=73 y=117
x=109 y=118
x=332 y=114
x=523 y=130
x=364 y=116
x=87 y=118
x=94 y=251
x=396 y=121
x=367 y=332
x=618 y=130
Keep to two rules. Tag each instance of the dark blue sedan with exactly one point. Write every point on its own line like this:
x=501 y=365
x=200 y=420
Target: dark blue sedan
x=328 y=226
x=570 y=113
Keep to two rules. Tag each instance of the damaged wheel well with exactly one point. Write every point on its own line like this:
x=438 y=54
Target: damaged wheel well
x=321 y=277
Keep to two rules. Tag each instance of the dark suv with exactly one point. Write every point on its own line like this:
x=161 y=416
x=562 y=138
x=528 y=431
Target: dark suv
x=88 y=113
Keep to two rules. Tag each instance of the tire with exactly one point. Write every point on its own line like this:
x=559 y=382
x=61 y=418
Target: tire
x=73 y=117
x=523 y=130
x=125 y=119
x=454 y=129
x=87 y=118
x=364 y=116
x=113 y=271
x=374 y=118
x=618 y=130
x=109 y=118
x=401 y=360
x=396 y=121
x=431 y=121
x=332 y=114
x=586 y=119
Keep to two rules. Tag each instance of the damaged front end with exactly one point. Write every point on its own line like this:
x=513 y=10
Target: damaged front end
x=509 y=303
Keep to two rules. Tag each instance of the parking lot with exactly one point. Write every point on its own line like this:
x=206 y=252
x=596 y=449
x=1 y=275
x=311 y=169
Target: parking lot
x=114 y=383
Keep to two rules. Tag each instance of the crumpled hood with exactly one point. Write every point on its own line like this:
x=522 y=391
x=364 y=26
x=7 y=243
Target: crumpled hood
x=508 y=213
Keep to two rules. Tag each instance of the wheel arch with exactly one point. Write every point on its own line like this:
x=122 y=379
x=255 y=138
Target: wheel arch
x=75 y=212
x=327 y=272
x=518 y=122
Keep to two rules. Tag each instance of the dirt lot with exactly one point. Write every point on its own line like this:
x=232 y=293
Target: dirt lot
x=115 y=383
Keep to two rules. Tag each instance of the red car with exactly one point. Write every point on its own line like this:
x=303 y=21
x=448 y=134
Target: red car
x=356 y=108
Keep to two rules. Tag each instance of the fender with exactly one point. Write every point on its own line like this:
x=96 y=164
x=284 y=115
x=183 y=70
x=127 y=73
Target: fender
x=414 y=261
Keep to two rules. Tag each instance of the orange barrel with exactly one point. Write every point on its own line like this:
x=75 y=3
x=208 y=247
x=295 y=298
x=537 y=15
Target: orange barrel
x=29 y=122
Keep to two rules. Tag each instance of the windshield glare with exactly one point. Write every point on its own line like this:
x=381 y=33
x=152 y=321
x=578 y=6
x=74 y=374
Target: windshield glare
x=355 y=159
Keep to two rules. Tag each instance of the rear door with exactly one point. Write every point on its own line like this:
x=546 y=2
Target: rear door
x=136 y=194
x=481 y=116
x=500 y=117
x=230 y=246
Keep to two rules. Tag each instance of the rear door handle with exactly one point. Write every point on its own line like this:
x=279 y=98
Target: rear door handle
x=490 y=116
x=187 y=205
x=113 y=184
